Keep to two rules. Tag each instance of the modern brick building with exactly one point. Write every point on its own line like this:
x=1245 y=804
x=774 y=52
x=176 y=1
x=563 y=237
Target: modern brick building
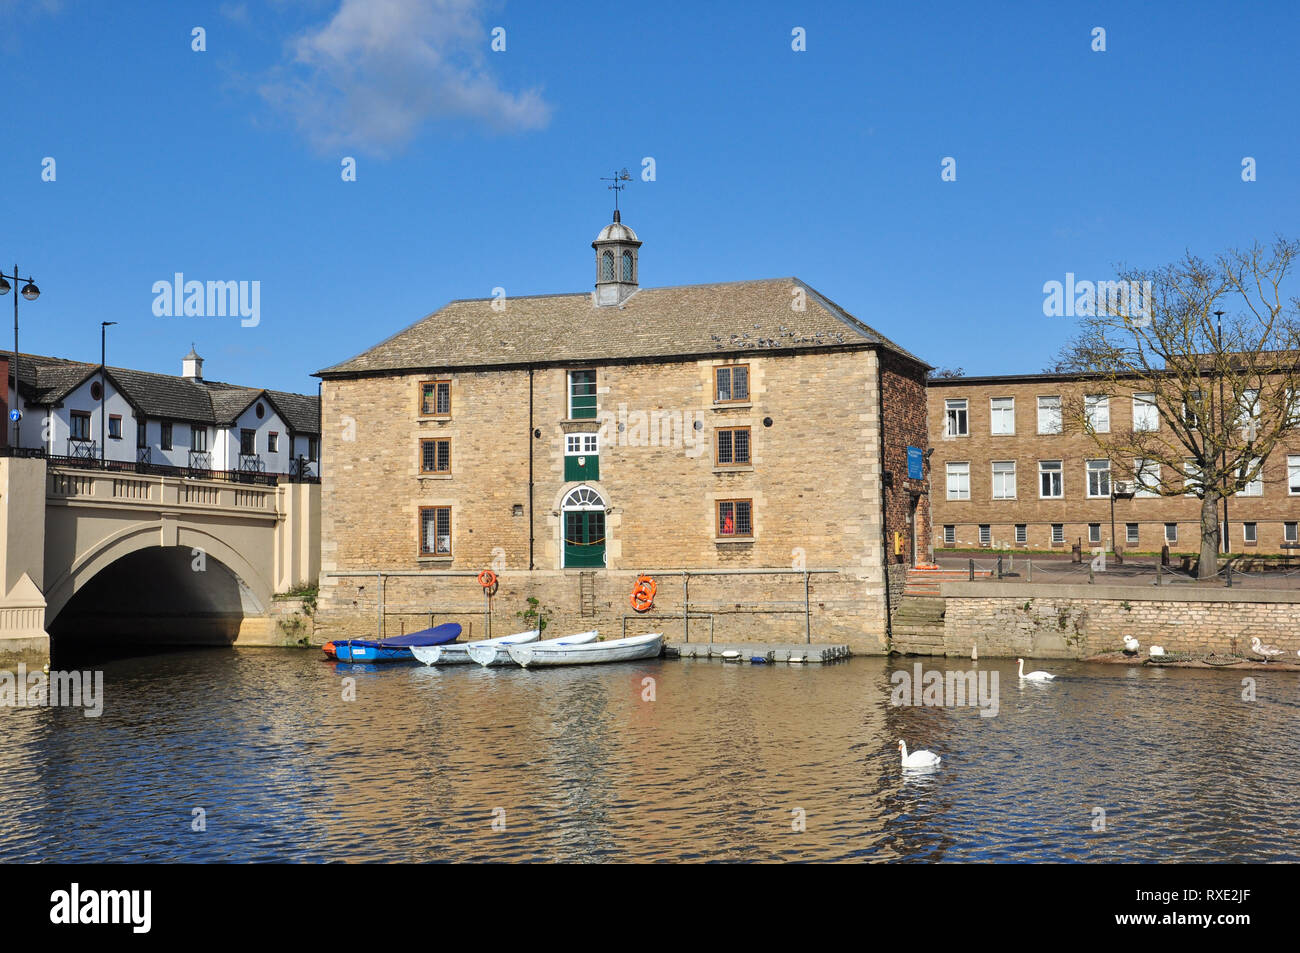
x=1008 y=474
x=723 y=438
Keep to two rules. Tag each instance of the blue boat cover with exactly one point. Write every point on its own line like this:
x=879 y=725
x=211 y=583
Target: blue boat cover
x=447 y=632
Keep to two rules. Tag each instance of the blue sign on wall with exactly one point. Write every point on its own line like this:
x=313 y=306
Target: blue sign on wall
x=915 y=462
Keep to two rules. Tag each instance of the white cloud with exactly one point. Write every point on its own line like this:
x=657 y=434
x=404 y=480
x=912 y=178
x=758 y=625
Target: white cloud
x=380 y=69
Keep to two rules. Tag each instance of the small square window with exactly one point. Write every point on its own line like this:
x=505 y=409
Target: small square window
x=1248 y=533
x=735 y=518
x=1131 y=533
x=733 y=447
x=1058 y=532
x=1289 y=532
x=1171 y=532
x=986 y=535
x=435 y=455
x=950 y=534
x=1022 y=534
x=1094 y=532
x=731 y=383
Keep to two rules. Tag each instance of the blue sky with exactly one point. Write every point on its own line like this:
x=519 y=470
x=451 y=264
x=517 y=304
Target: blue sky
x=478 y=169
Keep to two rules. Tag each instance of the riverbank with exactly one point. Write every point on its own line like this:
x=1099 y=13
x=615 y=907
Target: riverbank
x=1238 y=663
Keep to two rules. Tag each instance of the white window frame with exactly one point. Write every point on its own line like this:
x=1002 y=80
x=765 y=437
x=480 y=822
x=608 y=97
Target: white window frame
x=986 y=534
x=1190 y=478
x=1141 y=485
x=1049 y=424
x=1022 y=534
x=1250 y=533
x=1173 y=538
x=1131 y=534
x=1256 y=486
x=1293 y=474
x=1094 y=533
x=956 y=409
x=1004 y=416
x=1145 y=413
x=581 y=444
x=1089 y=470
x=1096 y=410
x=949 y=473
x=1003 y=474
x=1291 y=531
x=949 y=534
x=1250 y=408
x=1058 y=532
x=1057 y=467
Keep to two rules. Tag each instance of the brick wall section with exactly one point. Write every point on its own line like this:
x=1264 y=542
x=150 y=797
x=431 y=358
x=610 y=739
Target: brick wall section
x=905 y=424
x=1075 y=510
x=814 y=481
x=1078 y=621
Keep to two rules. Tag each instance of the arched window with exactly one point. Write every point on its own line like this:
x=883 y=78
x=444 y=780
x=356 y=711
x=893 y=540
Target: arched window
x=627 y=266
x=583 y=498
x=607 y=266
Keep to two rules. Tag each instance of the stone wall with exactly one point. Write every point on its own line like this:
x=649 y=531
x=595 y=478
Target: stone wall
x=814 y=478
x=1077 y=621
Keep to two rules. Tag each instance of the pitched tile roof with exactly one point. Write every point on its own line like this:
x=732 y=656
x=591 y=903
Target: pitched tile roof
x=742 y=317
x=48 y=380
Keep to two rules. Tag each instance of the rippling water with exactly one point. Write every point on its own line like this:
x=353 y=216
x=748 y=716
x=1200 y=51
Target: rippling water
x=421 y=763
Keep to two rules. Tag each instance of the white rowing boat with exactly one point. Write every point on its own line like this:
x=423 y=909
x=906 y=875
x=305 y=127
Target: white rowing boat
x=615 y=650
x=487 y=655
x=457 y=653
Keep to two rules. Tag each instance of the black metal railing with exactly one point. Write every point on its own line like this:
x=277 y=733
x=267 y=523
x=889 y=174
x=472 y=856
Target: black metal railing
x=251 y=463
x=82 y=449
x=143 y=465
x=31 y=453
x=200 y=460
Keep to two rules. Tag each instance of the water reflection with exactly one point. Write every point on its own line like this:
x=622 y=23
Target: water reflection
x=573 y=764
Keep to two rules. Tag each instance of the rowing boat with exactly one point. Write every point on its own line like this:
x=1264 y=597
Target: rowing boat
x=457 y=653
x=487 y=655
x=615 y=650
x=396 y=649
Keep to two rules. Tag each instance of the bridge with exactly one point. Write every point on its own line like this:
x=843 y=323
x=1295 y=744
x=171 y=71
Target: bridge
x=100 y=554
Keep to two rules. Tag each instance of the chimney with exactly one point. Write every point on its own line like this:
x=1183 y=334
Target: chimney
x=192 y=366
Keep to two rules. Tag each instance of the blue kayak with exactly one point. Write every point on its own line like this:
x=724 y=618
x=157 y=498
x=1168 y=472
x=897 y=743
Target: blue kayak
x=393 y=650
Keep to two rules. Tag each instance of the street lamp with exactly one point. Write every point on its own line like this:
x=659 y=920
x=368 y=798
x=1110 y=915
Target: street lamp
x=1226 y=544
x=103 y=391
x=31 y=293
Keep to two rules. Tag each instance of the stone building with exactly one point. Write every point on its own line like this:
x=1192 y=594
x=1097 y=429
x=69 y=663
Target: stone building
x=746 y=444
x=1009 y=475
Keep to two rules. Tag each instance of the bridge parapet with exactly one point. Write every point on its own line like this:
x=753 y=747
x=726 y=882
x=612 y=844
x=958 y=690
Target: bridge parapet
x=72 y=485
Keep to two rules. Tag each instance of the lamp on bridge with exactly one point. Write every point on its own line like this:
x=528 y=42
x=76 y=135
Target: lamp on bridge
x=31 y=293
x=103 y=391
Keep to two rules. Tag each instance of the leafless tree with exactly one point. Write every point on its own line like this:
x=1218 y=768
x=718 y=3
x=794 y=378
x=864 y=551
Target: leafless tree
x=1216 y=345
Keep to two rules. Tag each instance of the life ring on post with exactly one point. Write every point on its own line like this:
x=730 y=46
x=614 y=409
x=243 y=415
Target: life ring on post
x=488 y=580
x=643 y=594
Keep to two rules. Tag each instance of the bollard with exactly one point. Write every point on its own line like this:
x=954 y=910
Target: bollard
x=999 y=567
x=1227 y=574
x=1090 y=574
x=1031 y=569
x=972 y=570
x=1157 y=574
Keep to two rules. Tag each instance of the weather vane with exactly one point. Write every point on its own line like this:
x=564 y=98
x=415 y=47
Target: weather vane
x=616 y=183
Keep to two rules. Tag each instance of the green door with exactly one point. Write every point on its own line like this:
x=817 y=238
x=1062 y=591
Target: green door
x=584 y=539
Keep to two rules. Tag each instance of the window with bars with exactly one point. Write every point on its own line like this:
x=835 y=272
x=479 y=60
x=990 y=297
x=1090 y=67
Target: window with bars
x=1171 y=532
x=582 y=394
x=986 y=534
x=735 y=518
x=1289 y=532
x=435 y=455
x=1131 y=533
x=1022 y=534
x=731 y=384
x=1249 y=534
x=1058 y=532
x=435 y=531
x=949 y=535
x=1094 y=532
x=435 y=398
x=733 y=446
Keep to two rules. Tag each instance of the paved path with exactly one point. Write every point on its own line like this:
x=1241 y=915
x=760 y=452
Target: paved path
x=1135 y=571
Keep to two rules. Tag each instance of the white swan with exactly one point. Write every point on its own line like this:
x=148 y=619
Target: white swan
x=1156 y=650
x=1033 y=676
x=1131 y=645
x=918 y=759
x=1268 y=651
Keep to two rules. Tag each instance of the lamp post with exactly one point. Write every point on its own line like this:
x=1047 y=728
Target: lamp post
x=103 y=390
x=31 y=293
x=1226 y=546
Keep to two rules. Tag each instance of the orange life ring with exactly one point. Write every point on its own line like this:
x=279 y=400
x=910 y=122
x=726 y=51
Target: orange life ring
x=487 y=579
x=643 y=594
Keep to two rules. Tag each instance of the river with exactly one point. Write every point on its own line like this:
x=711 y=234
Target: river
x=255 y=755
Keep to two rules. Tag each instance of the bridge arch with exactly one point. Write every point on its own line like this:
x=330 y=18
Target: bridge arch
x=149 y=535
